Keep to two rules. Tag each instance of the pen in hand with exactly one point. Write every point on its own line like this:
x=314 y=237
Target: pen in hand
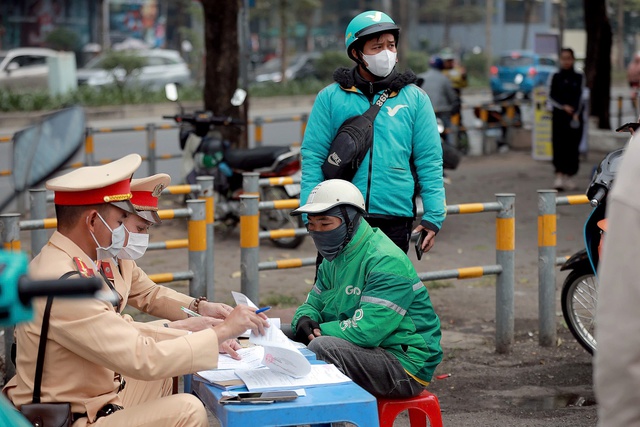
x=190 y=312
x=260 y=310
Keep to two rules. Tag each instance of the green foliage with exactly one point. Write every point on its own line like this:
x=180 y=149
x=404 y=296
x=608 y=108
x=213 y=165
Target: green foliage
x=288 y=88
x=476 y=65
x=89 y=97
x=329 y=61
x=127 y=61
x=417 y=61
x=62 y=38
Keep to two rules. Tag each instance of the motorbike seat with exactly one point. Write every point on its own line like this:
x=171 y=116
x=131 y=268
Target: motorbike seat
x=254 y=158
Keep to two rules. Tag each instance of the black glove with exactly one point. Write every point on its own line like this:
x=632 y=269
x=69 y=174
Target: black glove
x=305 y=328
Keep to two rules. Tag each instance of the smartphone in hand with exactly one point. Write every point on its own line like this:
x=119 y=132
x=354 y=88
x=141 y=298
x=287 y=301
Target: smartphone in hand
x=627 y=127
x=419 y=250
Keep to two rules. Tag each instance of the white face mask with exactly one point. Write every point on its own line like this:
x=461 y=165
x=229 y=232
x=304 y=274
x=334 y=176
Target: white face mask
x=382 y=63
x=136 y=246
x=117 y=241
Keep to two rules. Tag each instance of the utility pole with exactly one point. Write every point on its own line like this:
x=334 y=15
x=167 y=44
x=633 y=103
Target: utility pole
x=619 y=58
x=487 y=36
x=106 y=42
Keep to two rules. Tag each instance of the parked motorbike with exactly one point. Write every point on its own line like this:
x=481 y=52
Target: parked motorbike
x=580 y=289
x=206 y=152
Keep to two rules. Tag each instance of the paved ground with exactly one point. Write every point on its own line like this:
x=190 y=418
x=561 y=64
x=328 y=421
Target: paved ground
x=530 y=386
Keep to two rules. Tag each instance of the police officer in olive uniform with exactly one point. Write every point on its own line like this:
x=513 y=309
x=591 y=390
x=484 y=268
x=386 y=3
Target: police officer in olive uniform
x=90 y=345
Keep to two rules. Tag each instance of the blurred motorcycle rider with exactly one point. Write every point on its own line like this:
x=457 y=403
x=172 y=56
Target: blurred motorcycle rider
x=440 y=90
x=455 y=72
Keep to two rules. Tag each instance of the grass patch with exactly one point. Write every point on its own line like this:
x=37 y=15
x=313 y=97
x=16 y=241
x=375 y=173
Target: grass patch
x=484 y=282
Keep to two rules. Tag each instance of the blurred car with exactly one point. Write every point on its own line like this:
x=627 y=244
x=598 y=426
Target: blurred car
x=519 y=71
x=24 y=67
x=299 y=67
x=162 y=66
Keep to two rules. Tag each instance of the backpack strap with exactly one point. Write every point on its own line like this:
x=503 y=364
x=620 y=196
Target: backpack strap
x=372 y=112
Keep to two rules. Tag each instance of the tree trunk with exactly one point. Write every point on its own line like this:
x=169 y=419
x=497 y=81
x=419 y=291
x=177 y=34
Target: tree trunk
x=527 y=19
x=283 y=38
x=598 y=60
x=221 y=60
x=446 y=38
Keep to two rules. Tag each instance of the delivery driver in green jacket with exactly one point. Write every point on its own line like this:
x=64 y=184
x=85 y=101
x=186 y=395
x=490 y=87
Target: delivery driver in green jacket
x=368 y=312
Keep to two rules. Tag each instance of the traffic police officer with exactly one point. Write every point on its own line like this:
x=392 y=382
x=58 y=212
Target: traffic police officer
x=89 y=343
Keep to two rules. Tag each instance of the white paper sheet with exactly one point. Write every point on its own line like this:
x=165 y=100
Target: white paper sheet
x=279 y=352
x=268 y=379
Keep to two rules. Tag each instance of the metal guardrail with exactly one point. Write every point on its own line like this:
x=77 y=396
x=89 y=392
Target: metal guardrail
x=504 y=268
x=547 y=260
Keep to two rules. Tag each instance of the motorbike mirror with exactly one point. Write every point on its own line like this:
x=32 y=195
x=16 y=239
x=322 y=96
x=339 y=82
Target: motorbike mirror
x=41 y=149
x=171 y=92
x=238 y=97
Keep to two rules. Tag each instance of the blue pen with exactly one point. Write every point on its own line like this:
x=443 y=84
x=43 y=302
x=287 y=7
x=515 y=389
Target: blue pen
x=260 y=310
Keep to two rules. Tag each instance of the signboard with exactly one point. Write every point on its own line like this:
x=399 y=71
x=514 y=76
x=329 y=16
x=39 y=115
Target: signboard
x=546 y=44
x=541 y=148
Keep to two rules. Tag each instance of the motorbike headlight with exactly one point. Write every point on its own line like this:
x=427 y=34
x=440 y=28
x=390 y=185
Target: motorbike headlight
x=440 y=125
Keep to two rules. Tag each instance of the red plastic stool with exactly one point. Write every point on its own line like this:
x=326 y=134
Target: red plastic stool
x=425 y=403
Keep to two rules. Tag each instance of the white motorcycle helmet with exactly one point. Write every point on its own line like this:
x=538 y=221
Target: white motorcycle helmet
x=330 y=193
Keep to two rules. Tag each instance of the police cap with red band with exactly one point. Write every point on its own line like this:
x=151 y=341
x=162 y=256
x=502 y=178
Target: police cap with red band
x=145 y=192
x=92 y=185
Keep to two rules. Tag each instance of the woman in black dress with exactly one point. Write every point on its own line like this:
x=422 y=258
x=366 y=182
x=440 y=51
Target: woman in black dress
x=566 y=98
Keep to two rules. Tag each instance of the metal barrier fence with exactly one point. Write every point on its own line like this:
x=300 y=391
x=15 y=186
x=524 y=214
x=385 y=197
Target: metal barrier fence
x=151 y=130
x=547 y=260
x=504 y=268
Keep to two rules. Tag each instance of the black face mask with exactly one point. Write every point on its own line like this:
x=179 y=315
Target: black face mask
x=330 y=243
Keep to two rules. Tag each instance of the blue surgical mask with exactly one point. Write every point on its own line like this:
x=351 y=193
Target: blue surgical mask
x=330 y=243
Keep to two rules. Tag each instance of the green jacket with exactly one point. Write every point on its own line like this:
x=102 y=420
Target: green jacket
x=370 y=295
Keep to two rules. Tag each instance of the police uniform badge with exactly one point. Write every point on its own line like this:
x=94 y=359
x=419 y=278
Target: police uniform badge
x=84 y=271
x=157 y=190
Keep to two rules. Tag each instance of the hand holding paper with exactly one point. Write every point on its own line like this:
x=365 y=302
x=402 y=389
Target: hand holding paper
x=279 y=353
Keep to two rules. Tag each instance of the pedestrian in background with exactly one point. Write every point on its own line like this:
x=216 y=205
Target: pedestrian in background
x=405 y=155
x=445 y=100
x=565 y=97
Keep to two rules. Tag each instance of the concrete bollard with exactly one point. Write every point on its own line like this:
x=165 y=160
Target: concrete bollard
x=10 y=235
x=206 y=194
x=39 y=237
x=505 y=257
x=151 y=148
x=89 y=154
x=257 y=133
x=547 y=267
x=249 y=247
x=197 y=231
x=251 y=183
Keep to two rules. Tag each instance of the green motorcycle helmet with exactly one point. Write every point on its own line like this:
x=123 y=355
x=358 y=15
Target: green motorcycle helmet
x=366 y=24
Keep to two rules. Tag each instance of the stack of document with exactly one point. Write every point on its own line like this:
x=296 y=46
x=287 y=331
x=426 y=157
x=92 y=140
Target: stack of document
x=272 y=363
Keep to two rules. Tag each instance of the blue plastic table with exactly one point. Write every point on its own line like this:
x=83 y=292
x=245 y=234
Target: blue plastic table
x=322 y=405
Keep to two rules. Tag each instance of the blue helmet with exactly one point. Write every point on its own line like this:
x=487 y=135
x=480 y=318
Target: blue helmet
x=436 y=62
x=366 y=24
